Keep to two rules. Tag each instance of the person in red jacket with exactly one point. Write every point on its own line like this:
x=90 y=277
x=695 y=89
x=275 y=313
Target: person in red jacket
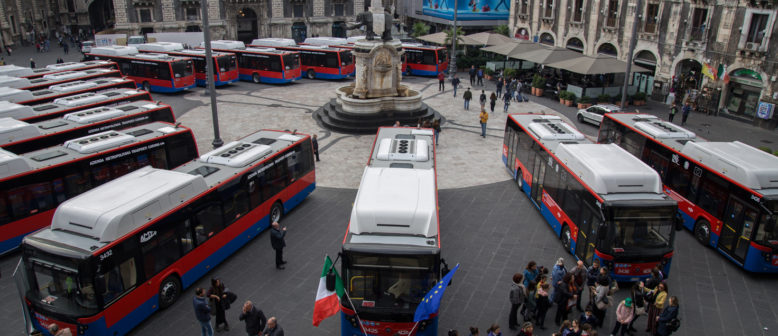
x=441 y=81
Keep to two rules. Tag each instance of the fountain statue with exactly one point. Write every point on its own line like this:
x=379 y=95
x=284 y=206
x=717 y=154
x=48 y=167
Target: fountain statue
x=377 y=97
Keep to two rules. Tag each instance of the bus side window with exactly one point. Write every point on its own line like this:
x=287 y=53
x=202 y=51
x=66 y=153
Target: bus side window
x=175 y=149
x=160 y=251
x=713 y=194
x=235 y=200
x=209 y=222
x=164 y=70
x=658 y=163
x=678 y=179
x=158 y=159
x=111 y=284
x=187 y=242
x=255 y=194
x=77 y=182
x=5 y=213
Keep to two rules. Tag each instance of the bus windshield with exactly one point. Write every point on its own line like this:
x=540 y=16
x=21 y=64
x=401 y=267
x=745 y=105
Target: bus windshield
x=226 y=63
x=767 y=234
x=60 y=286
x=182 y=68
x=389 y=285
x=291 y=61
x=637 y=229
x=345 y=58
x=442 y=56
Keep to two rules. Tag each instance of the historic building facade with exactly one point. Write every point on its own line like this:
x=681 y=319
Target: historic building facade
x=675 y=39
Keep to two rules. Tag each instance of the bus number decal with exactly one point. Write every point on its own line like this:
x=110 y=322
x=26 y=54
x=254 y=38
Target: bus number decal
x=146 y=236
x=106 y=255
x=755 y=198
x=676 y=159
x=697 y=171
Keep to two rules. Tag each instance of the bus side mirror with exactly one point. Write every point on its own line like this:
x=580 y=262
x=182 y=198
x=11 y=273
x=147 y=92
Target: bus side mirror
x=444 y=270
x=330 y=281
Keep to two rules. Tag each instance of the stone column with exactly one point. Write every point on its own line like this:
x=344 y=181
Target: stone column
x=120 y=13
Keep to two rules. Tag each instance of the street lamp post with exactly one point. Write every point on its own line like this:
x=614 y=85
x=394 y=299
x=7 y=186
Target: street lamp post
x=217 y=141
x=630 y=52
x=453 y=65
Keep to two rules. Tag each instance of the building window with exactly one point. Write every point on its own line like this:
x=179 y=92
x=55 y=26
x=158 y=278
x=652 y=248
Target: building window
x=652 y=17
x=578 y=10
x=757 y=28
x=523 y=7
x=613 y=13
x=13 y=24
x=339 y=9
x=71 y=6
x=192 y=13
x=699 y=18
x=145 y=15
x=548 y=11
x=298 y=9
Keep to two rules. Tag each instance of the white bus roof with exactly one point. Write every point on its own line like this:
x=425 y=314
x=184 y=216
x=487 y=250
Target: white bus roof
x=160 y=46
x=11 y=163
x=225 y=44
x=16 y=111
x=354 y=39
x=274 y=42
x=398 y=192
x=14 y=95
x=660 y=130
x=14 y=82
x=73 y=65
x=15 y=70
x=609 y=169
x=12 y=130
x=326 y=41
x=60 y=76
x=114 y=50
x=550 y=130
x=740 y=162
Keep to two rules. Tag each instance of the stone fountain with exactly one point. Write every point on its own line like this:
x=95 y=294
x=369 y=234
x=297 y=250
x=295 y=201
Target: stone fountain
x=377 y=97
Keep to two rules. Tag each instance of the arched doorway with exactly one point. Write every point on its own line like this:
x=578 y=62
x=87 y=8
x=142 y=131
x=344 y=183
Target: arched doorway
x=299 y=31
x=522 y=34
x=608 y=49
x=247 y=25
x=547 y=38
x=101 y=14
x=575 y=44
x=743 y=92
x=688 y=75
x=645 y=81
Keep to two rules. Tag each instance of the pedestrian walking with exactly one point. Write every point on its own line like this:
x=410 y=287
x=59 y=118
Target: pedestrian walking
x=579 y=272
x=543 y=304
x=455 y=84
x=217 y=297
x=482 y=99
x=441 y=81
x=601 y=300
x=687 y=108
x=673 y=111
x=315 y=142
x=65 y=47
x=492 y=101
x=32 y=63
x=278 y=243
x=202 y=312
x=60 y=60
x=494 y=330
x=519 y=97
x=659 y=297
x=436 y=129
x=472 y=75
x=591 y=279
x=506 y=102
x=254 y=317
x=624 y=314
x=557 y=273
x=480 y=76
x=273 y=329
x=518 y=295
x=482 y=118
x=665 y=322
x=500 y=83
x=467 y=96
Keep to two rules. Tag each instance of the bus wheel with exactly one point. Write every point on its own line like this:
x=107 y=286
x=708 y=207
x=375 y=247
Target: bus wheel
x=519 y=179
x=169 y=291
x=702 y=232
x=310 y=74
x=566 y=238
x=146 y=86
x=276 y=212
x=255 y=78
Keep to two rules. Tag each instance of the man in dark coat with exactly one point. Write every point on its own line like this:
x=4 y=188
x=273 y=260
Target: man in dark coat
x=273 y=329
x=277 y=242
x=202 y=312
x=255 y=319
x=315 y=143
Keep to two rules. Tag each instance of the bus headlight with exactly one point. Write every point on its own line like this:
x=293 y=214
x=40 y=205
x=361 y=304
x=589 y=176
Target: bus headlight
x=82 y=329
x=767 y=256
x=423 y=325
x=353 y=321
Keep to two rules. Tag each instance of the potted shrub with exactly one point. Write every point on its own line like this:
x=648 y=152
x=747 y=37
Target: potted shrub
x=563 y=97
x=538 y=84
x=488 y=73
x=639 y=99
x=570 y=99
x=617 y=101
x=604 y=99
x=584 y=103
x=509 y=73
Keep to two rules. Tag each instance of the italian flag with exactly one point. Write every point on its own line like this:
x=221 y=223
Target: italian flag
x=327 y=302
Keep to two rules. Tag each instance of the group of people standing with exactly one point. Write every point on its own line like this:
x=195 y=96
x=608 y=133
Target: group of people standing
x=217 y=300
x=535 y=290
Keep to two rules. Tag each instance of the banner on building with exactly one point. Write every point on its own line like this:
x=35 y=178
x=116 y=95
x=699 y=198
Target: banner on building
x=468 y=10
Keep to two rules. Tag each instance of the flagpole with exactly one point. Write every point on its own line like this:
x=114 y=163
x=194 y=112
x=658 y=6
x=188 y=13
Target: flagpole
x=414 y=328
x=361 y=327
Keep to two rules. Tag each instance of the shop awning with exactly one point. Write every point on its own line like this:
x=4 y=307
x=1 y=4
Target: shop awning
x=437 y=38
x=486 y=39
x=600 y=64
x=513 y=48
x=545 y=55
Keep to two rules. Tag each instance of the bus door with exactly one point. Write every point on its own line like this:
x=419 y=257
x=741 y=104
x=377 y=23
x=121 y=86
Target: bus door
x=588 y=224
x=739 y=221
x=538 y=173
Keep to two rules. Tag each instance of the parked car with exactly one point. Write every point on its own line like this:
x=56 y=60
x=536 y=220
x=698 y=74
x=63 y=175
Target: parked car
x=594 y=113
x=86 y=46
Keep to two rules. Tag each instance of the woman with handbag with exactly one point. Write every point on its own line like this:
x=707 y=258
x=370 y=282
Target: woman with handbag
x=217 y=295
x=638 y=299
x=660 y=296
x=601 y=300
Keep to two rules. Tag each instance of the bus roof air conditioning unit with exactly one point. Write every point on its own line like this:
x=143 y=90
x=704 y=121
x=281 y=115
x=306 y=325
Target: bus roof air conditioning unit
x=94 y=115
x=403 y=149
x=81 y=99
x=72 y=86
x=236 y=154
x=98 y=142
x=660 y=129
x=554 y=129
x=65 y=75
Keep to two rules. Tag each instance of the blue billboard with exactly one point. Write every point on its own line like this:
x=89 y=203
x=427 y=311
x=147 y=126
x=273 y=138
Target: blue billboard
x=468 y=10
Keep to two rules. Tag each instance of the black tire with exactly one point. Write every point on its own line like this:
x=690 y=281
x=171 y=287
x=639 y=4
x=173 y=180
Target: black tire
x=255 y=78
x=566 y=237
x=580 y=119
x=310 y=74
x=147 y=86
x=519 y=179
x=169 y=291
x=276 y=212
x=702 y=232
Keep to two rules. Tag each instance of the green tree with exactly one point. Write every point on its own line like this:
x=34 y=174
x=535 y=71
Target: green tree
x=450 y=32
x=503 y=30
x=420 y=29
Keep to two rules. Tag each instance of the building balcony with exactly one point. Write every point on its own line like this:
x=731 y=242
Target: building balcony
x=144 y=3
x=697 y=34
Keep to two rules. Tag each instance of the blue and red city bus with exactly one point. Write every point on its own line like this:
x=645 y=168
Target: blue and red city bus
x=20 y=137
x=46 y=81
x=391 y=254
x=602 y=202
x=128 y=248
x=225 y=64
x=152 y=72
x=425 y=60
x=72 y=103
x=316 y=61
x=29 y=73
x=34 y=183
x=342 y=43
x=262 y=65
x=727 y=192
x=27 y=97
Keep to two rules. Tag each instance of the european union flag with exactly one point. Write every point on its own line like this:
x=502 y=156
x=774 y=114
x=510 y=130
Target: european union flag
x=431 y=301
